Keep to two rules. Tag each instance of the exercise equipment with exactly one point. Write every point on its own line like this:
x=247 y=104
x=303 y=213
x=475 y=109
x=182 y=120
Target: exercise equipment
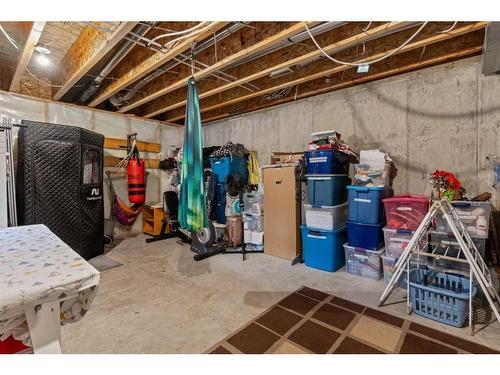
x=192 y=208
x=136 y=186
x=170 y=224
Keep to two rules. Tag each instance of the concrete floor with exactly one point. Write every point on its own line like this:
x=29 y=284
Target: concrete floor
x=161 y=301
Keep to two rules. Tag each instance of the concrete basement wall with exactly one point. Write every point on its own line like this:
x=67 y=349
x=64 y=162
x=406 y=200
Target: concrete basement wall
x=110 y=125
x=445 y=117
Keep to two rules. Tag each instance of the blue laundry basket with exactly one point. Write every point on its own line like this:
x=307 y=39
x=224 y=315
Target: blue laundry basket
x=440 y=296
x=365 y=203
x=323 y=249
x=327 y=189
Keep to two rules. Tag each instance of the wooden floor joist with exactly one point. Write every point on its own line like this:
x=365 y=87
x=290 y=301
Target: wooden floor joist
x=335 y=47
x=339 y=68
x=373 y=77
x=260 y=46
x=152 y=63
x=87 y=50
x=26 y=54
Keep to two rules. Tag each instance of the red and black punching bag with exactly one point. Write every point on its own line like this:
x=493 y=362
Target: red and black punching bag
x=136 y=187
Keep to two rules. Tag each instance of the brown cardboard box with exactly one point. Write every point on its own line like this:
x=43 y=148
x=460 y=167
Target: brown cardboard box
x=282 y=212
x=286 y=157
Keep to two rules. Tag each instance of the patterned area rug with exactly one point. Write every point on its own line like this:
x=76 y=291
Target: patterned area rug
x=310 y=321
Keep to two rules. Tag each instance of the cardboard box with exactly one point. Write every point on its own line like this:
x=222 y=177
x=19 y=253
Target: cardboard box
x=282 y=214
x=286 y=157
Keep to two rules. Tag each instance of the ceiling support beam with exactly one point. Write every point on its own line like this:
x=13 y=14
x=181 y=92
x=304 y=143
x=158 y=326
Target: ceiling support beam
x=335 y=47
x=257 y=47
x=26 y=54
x=87 y=50
x=340 y=68
x=152 y=63
x=468 y=52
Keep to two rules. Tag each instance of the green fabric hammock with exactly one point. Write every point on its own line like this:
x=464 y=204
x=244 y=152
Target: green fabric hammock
x=192 y=208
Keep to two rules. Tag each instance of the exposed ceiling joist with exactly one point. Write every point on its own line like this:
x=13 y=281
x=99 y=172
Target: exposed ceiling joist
x=152 y=63
x=371 y=77
x=90 y=47
x=332 y=48
x=256 y=48
x=26 y=54
x=339 y=68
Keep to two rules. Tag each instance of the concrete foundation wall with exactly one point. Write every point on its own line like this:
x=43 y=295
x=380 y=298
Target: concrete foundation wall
x=445 y=117
x=108 y=124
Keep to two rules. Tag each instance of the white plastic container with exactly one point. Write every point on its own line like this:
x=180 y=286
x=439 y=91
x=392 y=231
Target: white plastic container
x=389 y=265
x=442 y=243
x=474 y=215
x=363 y=262
x=396 y=240
x=326 y=217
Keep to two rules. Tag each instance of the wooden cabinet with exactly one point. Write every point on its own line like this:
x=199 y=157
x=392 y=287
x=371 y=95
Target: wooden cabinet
x=152 y=217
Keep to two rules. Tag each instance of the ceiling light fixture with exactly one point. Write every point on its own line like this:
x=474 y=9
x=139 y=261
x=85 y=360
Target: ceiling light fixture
x=42 y=49
x=42 y=59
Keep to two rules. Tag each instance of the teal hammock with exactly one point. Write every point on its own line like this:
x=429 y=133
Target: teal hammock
x=192 y=208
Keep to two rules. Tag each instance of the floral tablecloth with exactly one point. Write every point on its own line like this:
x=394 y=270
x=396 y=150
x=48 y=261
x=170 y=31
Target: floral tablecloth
x=37 y=267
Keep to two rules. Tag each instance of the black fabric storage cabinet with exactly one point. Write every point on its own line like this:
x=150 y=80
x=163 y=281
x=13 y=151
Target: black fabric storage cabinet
x=60 y=183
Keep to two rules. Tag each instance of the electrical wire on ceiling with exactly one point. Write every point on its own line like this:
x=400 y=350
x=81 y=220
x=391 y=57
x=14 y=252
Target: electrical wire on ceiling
x=16 y=46
x=449 y=29
x=370 y=62
x=278 y=94
x=184 y=34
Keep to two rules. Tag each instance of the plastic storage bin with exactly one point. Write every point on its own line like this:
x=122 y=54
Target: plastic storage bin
x=326 y=217
x=363 y=262
x=365 y=203
x=441 y=243
x=389 y=265
x=327 y=190
x=367 y=236
x=440 y=296
x=405 y=211
x=254 y=202
x=223 y=166
x=396 y=240
x=322 y=249
x=326 y=162
x=474 y=215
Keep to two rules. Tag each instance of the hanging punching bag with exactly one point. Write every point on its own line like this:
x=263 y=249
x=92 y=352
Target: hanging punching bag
x=136 y=187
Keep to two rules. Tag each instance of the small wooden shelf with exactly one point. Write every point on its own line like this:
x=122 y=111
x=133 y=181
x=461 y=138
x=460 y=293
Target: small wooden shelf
x=152 y=218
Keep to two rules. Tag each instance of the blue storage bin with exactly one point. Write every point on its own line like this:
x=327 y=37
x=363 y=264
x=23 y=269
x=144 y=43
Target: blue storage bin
x=323 y=249
x=327 y=189
x=365 y=203
x=326 y=162
x=223 y=166
x=367 y=236
x=440 y=296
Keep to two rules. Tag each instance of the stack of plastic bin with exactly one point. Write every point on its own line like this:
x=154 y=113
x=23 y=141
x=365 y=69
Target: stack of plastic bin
x=253 y=221
x=404 y=213
x=475 y=216
x=325 y=232
x=364 y=229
